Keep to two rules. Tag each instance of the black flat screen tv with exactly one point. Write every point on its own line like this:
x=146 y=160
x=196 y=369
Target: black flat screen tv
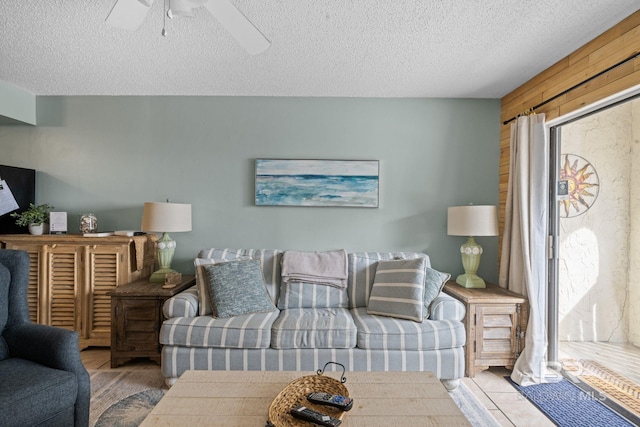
x=22 y=183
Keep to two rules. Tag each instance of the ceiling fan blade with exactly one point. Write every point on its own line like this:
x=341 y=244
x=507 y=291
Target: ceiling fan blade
x=129 y=14
x=238 y=25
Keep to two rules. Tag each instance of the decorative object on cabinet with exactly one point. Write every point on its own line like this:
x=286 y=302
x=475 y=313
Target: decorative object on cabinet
x=70 y=276
x=136 y=310
x=351 y=183
x=57 y=222
x=164 y=218
x=472 y=221
x=495 y=322
x=88 y=223
x=34 y=217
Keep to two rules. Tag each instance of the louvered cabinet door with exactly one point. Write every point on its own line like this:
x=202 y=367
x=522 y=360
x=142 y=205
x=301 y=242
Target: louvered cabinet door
x=104 y=273
x=36 y=281
x=63 y=273
x=496 y=329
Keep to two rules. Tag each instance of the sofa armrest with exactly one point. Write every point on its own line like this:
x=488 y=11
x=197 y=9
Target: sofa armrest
x=446 y=307
x=185 y=304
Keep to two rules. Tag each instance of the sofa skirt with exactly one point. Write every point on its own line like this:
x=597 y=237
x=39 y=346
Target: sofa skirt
x=446 y=364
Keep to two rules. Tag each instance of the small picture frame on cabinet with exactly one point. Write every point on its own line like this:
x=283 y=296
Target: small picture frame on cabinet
x=57 y=223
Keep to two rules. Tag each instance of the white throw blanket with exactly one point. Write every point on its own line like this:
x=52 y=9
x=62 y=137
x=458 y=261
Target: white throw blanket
x=328 y=268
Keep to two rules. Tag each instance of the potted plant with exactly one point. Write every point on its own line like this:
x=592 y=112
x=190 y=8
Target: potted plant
x=34 y=217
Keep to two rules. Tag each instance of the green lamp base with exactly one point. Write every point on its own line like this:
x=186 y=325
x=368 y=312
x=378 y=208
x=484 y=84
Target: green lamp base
x=470 y=281
x=164 y=253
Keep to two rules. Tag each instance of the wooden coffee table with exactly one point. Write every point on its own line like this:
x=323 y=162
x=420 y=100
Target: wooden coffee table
x=242 y=398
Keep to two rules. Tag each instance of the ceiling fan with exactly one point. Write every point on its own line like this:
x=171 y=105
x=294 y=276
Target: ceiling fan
x=129 y=15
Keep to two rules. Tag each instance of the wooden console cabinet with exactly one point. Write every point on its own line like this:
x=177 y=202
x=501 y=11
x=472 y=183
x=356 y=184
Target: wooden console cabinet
x=70 y=276
x=136 y=310
x=495 y=322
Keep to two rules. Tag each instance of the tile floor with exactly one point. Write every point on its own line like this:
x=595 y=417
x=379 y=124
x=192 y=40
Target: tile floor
x=503 y=401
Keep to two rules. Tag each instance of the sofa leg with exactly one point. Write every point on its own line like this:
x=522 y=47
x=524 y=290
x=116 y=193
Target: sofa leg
x=170 y=381
x=450 y=385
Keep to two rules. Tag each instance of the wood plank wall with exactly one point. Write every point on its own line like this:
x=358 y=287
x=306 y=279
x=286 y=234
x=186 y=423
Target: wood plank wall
x=619 y=43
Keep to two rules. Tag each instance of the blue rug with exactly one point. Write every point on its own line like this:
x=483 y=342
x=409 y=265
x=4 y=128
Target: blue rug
x=566 y=404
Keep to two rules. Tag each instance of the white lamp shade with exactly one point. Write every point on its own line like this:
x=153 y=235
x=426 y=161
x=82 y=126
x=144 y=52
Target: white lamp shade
x=166 y=217
x=472 y=220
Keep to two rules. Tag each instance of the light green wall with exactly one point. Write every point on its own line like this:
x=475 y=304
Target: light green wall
x=17 y=106
x=108 y=155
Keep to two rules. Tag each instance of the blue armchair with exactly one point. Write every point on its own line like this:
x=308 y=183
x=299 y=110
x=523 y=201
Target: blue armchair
x=42 y=378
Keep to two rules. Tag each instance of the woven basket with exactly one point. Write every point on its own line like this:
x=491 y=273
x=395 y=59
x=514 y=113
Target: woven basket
x=295 y=393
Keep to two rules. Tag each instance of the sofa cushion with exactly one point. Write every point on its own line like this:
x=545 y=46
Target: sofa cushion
x=269 y=262
x=362 y=272
x=246 y=331
x=237 y=288
x=433 y=284
x=33 y=394
x=314 y=328
x=311 y=295
x=388 y=333
x=398 y=289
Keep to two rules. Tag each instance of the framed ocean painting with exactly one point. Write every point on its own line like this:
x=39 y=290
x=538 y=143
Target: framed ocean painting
x=283 y=182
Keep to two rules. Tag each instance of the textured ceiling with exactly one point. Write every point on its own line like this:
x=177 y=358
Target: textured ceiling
x=346 y=48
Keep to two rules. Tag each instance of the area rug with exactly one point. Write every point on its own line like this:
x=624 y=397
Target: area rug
x=568 y=405
x=472 y=408
x=130 y=411
x=124 y=398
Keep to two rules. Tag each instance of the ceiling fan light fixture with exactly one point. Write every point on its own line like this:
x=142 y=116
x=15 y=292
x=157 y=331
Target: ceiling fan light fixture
x=181 y=8
x=128 y=14
x=243 y=30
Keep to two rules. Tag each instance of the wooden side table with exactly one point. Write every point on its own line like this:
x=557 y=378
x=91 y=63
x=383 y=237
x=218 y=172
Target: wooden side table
x=495 y=322
x=136 y=313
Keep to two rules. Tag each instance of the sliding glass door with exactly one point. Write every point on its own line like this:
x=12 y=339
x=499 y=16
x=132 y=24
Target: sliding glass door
x=594 y=297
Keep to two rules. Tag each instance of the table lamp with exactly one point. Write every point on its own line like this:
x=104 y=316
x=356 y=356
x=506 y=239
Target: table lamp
x=472 y=221
x=164 y=218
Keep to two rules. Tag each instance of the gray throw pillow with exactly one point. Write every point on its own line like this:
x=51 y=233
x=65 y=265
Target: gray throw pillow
x=202 y=282
x=398 y=289
x=237 y=288
x=433 y=284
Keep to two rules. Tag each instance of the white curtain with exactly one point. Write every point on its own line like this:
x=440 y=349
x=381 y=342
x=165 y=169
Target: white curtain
x=523 y=264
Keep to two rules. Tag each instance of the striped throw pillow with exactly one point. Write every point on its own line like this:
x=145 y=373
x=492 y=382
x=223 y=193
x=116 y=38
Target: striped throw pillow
x=398 y=289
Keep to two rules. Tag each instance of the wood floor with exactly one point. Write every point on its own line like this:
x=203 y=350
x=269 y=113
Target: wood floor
x=496 y=394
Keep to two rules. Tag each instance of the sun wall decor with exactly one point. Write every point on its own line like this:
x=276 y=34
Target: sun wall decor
x=583 y=185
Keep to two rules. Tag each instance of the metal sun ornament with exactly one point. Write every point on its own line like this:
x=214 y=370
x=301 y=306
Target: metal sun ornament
x=583 y=185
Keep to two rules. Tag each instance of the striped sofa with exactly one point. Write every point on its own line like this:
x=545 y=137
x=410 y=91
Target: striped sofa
x=304 y=339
